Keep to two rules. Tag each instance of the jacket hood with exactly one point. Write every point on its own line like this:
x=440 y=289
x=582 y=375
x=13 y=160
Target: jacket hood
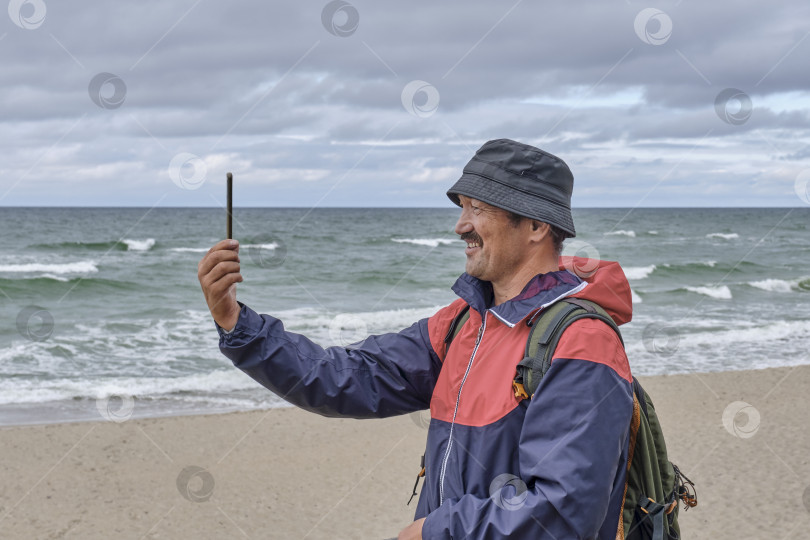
x=607 y=285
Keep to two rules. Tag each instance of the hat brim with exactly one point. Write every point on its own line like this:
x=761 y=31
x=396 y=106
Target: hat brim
x=519 y=202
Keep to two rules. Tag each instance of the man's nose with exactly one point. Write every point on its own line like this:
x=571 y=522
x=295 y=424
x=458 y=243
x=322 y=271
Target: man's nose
x=463 y=224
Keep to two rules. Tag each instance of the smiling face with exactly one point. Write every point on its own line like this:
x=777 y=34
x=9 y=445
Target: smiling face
x=496 y=246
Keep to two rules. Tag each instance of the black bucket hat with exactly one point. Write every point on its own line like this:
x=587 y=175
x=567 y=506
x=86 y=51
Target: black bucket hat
x=521 y=179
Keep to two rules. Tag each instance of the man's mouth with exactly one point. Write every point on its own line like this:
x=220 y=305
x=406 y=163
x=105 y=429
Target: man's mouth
x=472 y=240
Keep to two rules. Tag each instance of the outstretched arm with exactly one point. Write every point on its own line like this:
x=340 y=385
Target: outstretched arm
x=380 y=376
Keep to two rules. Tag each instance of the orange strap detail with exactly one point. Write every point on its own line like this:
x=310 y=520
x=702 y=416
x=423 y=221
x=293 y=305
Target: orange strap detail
x=635 y=422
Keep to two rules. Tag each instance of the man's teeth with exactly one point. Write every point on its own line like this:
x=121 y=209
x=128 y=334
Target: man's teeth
x=473 y=244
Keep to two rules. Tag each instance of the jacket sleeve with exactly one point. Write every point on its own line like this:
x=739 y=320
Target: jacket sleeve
x=380 y=376
x=572 y=454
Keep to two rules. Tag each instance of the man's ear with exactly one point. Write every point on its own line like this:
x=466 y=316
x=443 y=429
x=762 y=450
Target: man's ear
x=540 y=230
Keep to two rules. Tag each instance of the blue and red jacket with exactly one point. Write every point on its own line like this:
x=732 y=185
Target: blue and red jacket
x=495 y=466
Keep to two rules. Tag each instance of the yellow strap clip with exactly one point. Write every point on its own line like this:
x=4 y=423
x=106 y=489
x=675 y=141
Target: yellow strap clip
x=520 y=392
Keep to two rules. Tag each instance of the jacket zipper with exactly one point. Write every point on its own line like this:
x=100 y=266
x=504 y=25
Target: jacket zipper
x=458 y=398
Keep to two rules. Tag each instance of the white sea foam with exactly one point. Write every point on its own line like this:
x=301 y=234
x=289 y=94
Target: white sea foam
x=652 y=232
x=710 y=264
x=56 y=278
x=639 y=272
x=721 y=292
x=636 y=298
x=430 y=242
x=219 y=381
x=775 y=285
x=190 y=250
x=724 y=236
x=79 y=267
x=719 y=345
x=766 y=334
x=631 y=234
x=139 y=245
x=272 y=245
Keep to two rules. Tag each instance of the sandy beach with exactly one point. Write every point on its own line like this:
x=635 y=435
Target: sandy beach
x=285 y=473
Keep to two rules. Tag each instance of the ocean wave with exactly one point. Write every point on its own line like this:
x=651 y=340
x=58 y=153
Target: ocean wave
x=724 y=236
x=652 y=232
x=53 y=277
x=79 y=267
x=430 y=242
x=631 y=234
x=189 y=250
x=40 y=391
x=639 y=272
x=781 y=285
x=272 y=245
x=139 y=245
x=720 y=346
x=636 y=299
x=720 y=292
x=90 y=246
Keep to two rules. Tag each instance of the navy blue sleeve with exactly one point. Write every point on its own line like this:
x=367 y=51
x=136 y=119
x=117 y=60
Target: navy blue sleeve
x=381 y=376
x=572 y=455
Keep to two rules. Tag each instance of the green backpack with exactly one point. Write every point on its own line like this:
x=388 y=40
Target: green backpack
x=654 y=485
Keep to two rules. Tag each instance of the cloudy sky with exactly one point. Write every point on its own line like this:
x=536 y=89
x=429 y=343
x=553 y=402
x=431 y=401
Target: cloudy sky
x=146 y=102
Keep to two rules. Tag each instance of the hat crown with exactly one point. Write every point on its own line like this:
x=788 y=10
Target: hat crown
x=521 y=179
x=527 y=162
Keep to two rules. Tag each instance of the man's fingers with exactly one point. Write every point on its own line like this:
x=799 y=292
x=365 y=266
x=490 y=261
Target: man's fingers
x=219 y=271
x=213 y=258
x=221 y=286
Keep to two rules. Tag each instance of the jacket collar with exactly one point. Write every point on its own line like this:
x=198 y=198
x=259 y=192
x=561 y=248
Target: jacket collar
x=540 y=291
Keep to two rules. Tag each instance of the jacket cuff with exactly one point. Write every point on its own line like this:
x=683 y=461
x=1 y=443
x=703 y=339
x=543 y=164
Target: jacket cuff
x=246 y=326
x=434 y=526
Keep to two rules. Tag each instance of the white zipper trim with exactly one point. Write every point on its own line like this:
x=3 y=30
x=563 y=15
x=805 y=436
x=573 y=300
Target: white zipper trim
x=455 y=411
x=573 y=291
x=544 y=306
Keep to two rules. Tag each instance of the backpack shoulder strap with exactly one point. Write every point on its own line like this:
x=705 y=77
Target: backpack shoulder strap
x=455 y=325
x=547 y=329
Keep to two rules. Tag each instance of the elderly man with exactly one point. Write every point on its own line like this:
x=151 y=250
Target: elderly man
x=497 y=464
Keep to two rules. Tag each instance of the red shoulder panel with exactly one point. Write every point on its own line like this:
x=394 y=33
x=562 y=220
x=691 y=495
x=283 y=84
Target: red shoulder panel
x=439 y=325
x=593 y=340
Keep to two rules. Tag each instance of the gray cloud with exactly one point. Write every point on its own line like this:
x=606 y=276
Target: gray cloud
x=301 y=114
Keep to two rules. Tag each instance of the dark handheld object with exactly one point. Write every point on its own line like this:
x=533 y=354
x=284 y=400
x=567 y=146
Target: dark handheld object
x=230 y=206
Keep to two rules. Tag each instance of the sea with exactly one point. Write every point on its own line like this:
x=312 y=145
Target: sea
x=104 y=317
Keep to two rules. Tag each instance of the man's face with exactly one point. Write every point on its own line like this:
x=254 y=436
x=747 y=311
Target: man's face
x=496 y=248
